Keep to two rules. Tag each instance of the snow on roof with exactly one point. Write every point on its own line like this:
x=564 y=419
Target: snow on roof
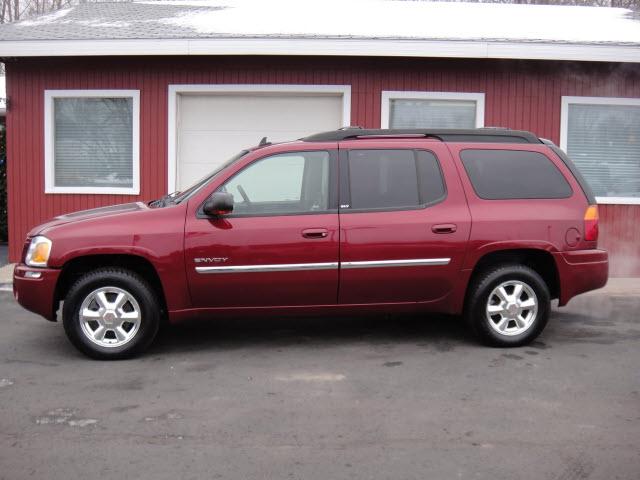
x=346 y=23
x=412 y=19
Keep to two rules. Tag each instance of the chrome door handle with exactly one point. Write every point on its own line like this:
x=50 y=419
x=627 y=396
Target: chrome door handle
x=444 y=228
x=315 y=233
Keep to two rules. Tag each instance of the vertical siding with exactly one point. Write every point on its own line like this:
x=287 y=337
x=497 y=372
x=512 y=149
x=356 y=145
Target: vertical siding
x=518 y=94
x=620 y=234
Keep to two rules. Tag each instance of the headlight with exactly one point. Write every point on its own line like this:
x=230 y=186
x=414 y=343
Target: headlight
x=38 y=252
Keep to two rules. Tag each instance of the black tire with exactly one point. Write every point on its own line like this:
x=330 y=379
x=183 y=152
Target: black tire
x=482 y=287
x=132 y=284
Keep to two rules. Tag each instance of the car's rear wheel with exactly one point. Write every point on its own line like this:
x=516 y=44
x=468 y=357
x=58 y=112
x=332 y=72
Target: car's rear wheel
x=508 y=306
x=111 y=313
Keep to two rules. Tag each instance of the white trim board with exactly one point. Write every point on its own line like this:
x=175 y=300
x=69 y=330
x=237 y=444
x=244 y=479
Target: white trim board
x=564 y=128
x=324 y=46
x=388 y=95
x=49 y=125
x=220 y=89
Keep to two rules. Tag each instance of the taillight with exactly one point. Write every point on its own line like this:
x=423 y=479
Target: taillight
x=591 y=223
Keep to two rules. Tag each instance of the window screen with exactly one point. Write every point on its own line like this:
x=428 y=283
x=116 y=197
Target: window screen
x=93 y=142
x=604 y=143
x=415 y=113
x=380 y=179
x=510 y=174
x=296 y=182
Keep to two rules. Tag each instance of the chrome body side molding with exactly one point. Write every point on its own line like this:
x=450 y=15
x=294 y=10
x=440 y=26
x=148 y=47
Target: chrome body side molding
x=414 y=262
x=281 y=267
x=294 y=267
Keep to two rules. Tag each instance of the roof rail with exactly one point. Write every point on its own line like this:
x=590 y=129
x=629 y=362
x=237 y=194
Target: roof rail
x=485 y=135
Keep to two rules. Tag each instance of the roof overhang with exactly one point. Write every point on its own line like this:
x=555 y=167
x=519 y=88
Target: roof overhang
x=325 y=47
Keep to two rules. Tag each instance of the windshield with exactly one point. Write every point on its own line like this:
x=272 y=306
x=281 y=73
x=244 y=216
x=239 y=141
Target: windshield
x=193 y=189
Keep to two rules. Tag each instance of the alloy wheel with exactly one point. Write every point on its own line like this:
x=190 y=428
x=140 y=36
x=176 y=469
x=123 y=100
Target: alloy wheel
x=110 y=317
x=511 y=308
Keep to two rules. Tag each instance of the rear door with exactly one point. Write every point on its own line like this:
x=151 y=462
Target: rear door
x=404 y=221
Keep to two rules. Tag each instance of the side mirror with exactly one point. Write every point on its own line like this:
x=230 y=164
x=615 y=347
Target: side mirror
x=218 y=204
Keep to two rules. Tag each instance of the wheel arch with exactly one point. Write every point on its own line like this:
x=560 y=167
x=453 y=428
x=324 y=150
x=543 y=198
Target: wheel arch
x=539 y=260
x=78 y=266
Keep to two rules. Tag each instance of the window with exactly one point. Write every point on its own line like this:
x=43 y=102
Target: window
x=513 y=174
x=296 y=182
x=384 y=179
x=432 y=110
x=602 y=137
x=92 y=141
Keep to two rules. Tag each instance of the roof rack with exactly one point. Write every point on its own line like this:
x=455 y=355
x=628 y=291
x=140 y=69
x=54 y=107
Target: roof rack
x=485 y=135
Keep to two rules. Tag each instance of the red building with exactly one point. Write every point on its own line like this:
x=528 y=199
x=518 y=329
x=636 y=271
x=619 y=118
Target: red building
x=112 y=103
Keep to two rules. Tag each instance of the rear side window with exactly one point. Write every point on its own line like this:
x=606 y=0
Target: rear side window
x=390 y=179
x=513 y=174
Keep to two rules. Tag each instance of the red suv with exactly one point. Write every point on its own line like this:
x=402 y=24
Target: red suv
x=489 y=223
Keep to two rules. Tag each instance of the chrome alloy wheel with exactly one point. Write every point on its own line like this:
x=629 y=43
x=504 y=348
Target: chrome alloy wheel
x=512 y=308
x=110 y=317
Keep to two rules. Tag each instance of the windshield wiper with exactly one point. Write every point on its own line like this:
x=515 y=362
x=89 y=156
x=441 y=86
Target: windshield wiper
x=164 y=201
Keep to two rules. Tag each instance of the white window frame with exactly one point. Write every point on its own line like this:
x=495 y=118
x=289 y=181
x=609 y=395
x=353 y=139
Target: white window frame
x=388 y=95
x=220 y=89
x=49 y=139
x=564 y=132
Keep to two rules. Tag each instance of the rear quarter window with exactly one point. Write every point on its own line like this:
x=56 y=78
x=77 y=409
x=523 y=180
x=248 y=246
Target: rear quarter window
x=513 y=174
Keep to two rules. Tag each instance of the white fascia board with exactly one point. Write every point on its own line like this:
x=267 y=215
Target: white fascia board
x=337 y=47
x=324 y=46
x=564 y=51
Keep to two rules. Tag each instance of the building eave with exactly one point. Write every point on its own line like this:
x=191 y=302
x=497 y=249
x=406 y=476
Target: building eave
x=325 y=47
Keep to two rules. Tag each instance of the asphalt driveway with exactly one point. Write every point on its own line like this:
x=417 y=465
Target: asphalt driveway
x=366 y=398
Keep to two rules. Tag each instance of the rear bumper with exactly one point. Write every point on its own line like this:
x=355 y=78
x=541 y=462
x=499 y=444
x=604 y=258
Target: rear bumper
x=580 y=271
x=36 y=294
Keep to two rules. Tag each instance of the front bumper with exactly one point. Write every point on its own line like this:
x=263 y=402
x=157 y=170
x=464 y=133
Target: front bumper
x=580 y=271
x=36 y=294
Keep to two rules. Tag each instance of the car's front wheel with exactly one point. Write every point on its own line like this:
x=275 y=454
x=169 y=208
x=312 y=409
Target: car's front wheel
x=508 y=306
x=111 y=313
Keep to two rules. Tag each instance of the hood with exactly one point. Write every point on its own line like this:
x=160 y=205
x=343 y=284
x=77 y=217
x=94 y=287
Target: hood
x=88 y=214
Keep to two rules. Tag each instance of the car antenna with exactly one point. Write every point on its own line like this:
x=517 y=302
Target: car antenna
x=263 y=142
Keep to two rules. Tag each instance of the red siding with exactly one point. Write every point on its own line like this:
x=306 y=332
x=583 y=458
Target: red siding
x=518 y=94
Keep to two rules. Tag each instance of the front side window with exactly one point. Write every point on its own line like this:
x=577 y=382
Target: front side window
x=432 y=110
x=602 y=137
x=92 y=142
x=288 y=183
x=393 y=179
x=513 y=174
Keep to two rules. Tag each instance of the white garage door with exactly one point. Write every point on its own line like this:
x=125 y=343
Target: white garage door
x=214 y=127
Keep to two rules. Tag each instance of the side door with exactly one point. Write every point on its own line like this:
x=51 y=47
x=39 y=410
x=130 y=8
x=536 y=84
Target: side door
x=404 y=221
x=279 y=247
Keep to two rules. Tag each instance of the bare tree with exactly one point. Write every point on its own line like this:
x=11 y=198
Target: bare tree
x=14 y=10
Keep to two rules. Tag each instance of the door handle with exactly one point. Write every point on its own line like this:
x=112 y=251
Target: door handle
x=444 y=228
x=315 y=233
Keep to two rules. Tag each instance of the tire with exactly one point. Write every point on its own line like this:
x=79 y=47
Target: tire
x=121 y=303
x=513 y=316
